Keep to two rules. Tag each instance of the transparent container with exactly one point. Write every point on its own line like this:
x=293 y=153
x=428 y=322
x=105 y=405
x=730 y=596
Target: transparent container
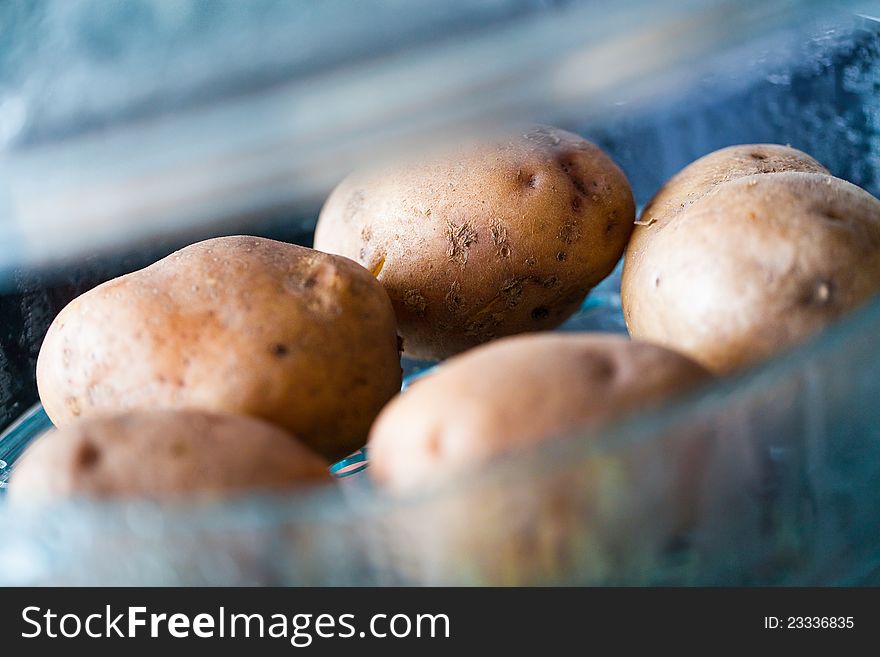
x=111 y=162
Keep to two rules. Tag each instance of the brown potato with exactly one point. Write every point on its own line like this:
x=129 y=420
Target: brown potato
x=721 y=166
x=160 y=455
x=754 y=266
x=486 y=241
x=514 y=393
x=243 y=325
x=603 y=514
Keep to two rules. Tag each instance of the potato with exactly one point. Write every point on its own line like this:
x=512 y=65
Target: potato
x=162 y=454
x=240 y=324
x=724 y=165
x=754 y=265
x=514 y=393
x=485 y=241
x=604 y=514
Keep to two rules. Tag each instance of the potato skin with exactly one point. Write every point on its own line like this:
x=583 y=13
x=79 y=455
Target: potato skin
x=517 y=392
x=703 y=175
x=244 y=325
x=162 y=454
x=486 y=241
x=600 y=516
x=757 y=265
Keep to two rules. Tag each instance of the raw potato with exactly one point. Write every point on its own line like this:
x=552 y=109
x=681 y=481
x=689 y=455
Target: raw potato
x=240 y=324
x=754 y=264
x=514 y=393
x=486 y=241
x=703 y=175
x=604 y=515
x=160 y=455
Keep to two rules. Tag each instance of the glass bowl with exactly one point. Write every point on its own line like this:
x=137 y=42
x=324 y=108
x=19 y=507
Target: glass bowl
x=786 y=494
